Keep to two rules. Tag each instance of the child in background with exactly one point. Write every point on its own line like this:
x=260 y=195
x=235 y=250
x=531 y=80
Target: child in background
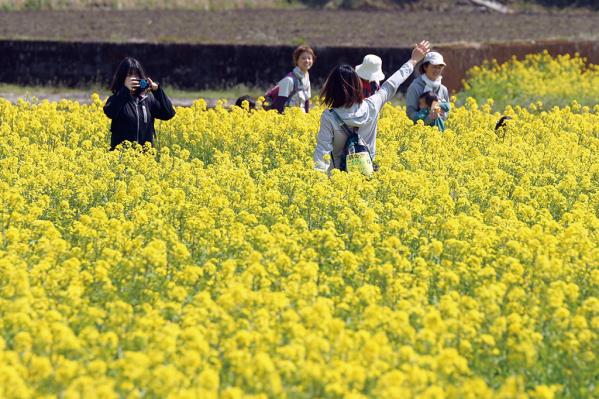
x=250 y=100
x=432 y=111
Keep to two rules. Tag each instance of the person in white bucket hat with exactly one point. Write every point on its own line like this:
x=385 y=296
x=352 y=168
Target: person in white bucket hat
x=371 y=74
x=430 y=78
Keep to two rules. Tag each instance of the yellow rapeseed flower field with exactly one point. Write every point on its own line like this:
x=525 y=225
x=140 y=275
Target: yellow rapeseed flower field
x=556 y=81
x=222 y=265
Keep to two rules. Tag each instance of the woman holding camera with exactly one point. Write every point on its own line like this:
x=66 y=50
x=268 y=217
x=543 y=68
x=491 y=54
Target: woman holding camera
x=135 y=102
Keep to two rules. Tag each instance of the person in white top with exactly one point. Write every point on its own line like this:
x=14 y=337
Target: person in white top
x=294 y=89
x=342 y=92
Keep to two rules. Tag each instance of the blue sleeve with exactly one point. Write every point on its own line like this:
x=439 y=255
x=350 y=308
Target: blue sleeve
x=420 y=115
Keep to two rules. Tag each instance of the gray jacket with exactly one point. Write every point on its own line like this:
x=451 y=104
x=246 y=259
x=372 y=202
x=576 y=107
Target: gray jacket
x=415 y=90
x=365 y=116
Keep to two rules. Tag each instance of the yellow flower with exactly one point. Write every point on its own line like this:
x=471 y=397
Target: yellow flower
x=209 y=380
x=223 y=265
x=545 y=392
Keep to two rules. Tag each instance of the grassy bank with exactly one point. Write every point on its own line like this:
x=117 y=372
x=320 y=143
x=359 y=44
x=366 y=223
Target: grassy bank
x=83 y=94
x=232 y=92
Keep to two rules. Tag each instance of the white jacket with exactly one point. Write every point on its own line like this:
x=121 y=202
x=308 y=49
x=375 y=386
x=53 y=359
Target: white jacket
x=365 y=116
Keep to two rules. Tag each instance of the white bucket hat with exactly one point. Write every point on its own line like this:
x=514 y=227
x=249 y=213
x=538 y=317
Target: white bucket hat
x=371 y=68
x=433 y=58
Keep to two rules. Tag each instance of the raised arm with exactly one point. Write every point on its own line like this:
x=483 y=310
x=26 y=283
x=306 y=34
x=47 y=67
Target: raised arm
x=389 y=88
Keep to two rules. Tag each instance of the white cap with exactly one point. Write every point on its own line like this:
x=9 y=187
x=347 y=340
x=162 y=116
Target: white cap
x=371 y=69
x=434 y=58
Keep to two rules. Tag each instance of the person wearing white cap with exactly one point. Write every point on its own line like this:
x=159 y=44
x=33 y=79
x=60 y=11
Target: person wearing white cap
x=429 y=80
x=371 y=74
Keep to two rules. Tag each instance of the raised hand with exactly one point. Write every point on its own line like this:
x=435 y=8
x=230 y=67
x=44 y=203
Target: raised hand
x=420 y=51
x=132 y=83
x=153 y=85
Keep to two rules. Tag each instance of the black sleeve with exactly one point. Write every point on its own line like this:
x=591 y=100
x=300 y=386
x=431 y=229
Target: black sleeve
x=279 y=103
x=115 y=103
x=162 y=108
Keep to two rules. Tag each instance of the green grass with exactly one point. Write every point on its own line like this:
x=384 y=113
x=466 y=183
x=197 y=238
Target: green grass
x=233 y=92
x=40 y=91
x=83 y=93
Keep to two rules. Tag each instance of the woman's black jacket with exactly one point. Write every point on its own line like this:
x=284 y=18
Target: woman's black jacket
x=133 y=116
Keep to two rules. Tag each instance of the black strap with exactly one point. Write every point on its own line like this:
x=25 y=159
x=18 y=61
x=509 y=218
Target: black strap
x=344 y=126
x=297 y=87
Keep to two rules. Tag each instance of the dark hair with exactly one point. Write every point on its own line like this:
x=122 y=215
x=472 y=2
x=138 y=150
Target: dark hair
x=128 y=66
x=422 y=66
x=429 y=97
x=502 y=121
x=342 y=88
x=251 y=101
x=302 y=49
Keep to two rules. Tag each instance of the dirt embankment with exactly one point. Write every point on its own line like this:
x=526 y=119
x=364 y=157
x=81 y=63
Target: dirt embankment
x=198 y=50
x=290 y=27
